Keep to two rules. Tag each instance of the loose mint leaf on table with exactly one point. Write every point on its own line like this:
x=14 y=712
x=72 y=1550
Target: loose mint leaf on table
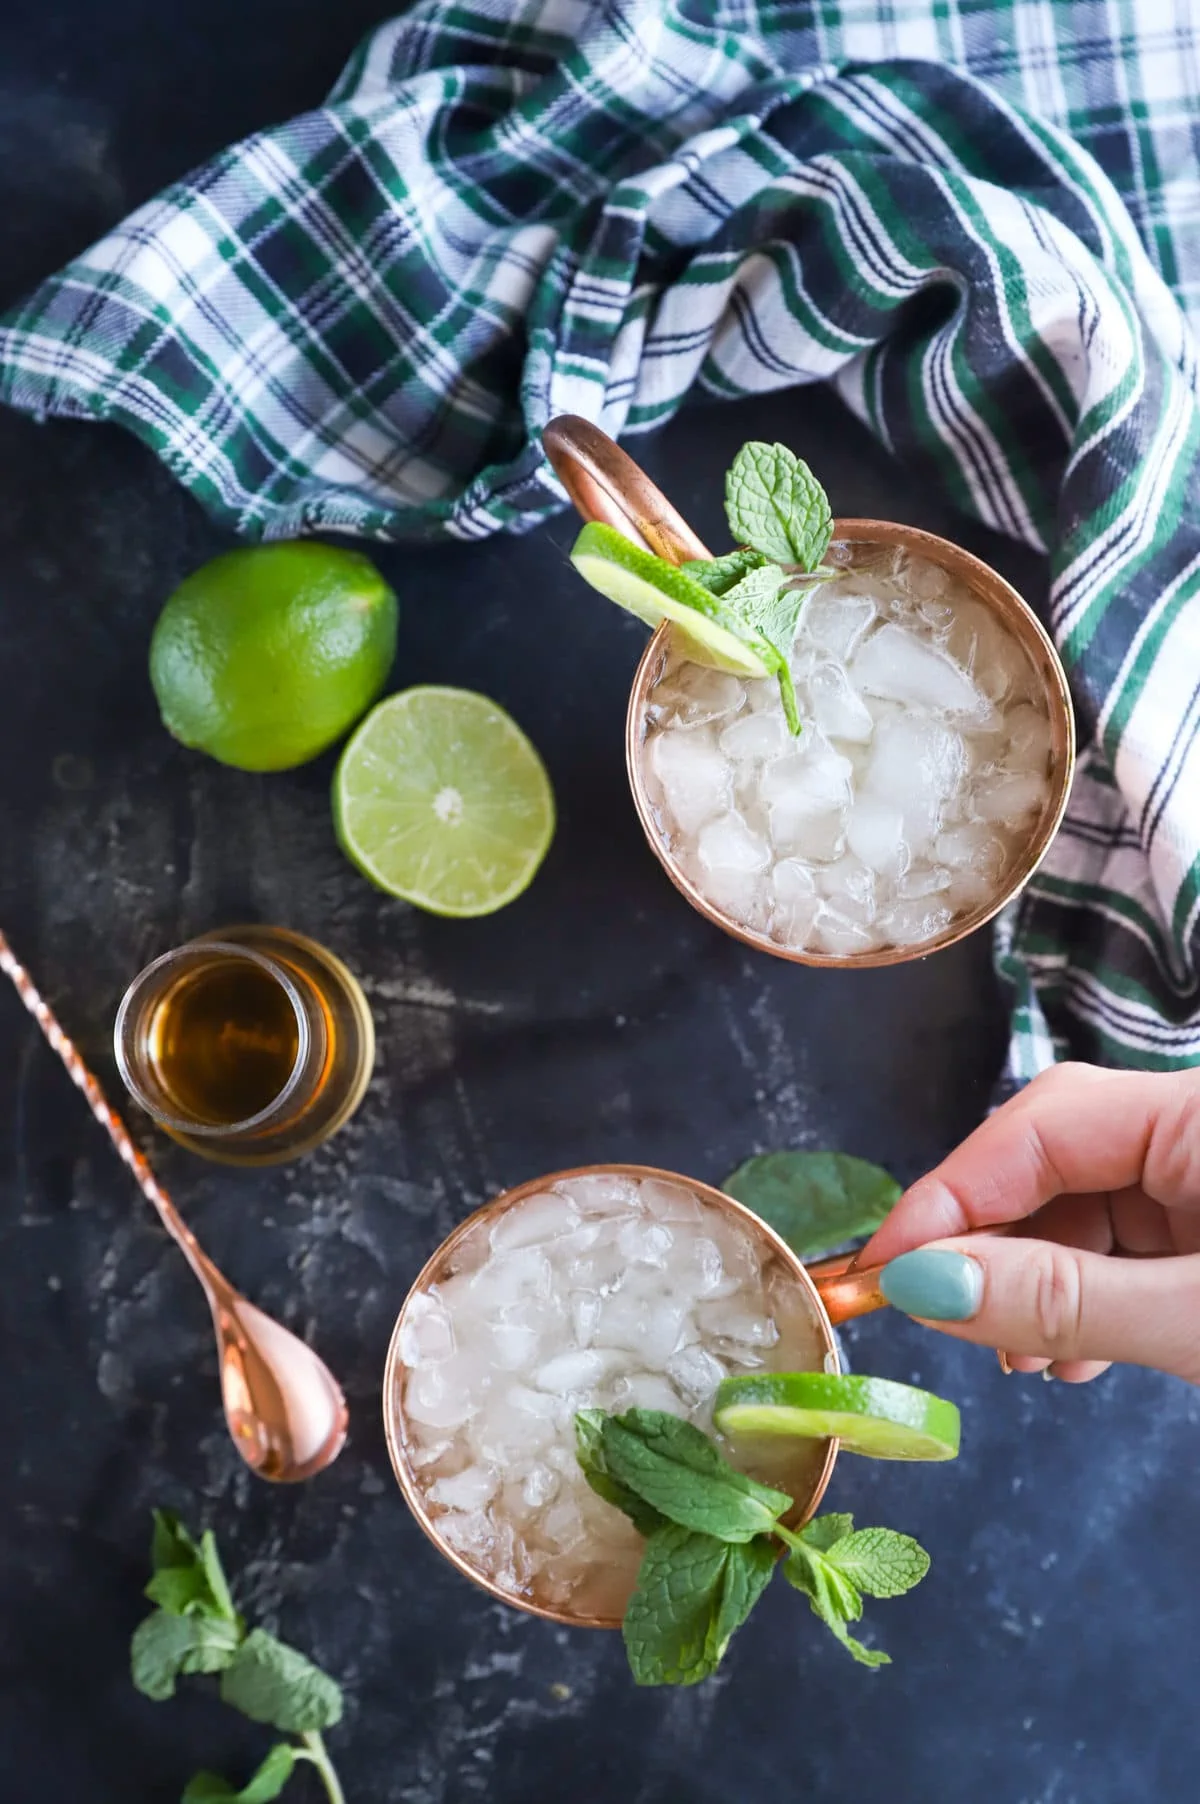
x=273 y=1683
x=880 y=1562
x=676 y=1469
x=776 y=505
x=165 y=1645
x=589 y=1451
x=171 y=1545
x=266 y=1783
x=719 y=574
x=188 y=1577
x=815 y=1201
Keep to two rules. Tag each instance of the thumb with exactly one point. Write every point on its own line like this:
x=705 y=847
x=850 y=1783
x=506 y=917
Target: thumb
x=1046 y=1301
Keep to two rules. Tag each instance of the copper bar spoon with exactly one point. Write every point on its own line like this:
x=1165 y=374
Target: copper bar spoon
x=284 y=1408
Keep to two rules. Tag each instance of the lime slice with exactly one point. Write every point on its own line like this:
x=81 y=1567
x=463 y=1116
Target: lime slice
x=867 y=1415
x=440 y=799
x=655 y=591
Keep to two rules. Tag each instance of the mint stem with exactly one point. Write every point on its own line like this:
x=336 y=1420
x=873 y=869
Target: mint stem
x=314 y=1749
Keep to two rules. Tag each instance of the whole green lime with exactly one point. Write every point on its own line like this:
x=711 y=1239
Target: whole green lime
x=265 y=656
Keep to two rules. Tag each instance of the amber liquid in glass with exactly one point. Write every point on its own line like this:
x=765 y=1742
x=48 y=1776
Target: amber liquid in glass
x=250 y=1045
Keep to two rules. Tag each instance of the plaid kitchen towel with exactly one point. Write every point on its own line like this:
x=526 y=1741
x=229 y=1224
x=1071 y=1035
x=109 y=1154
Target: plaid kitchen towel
x=513 y=208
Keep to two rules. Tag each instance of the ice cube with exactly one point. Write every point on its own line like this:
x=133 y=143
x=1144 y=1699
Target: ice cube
x=912 y=923
x=469 y=1489
x=426 y=1453
x=841 y=937
x=923 y=880
x=514 y=1345
x=694 y=694
x=900 y=666
x=508 y=1277
x=815 y=837
x=469 y=1532
x=539 y=1485
x=926 y=582
x=835 y=620
x=583 y=1306
x=727 y=844
x=562 y=1524
x=700 y=1269
x=577 y=1370
x=648 y=1327
x=811 y=780
x=849 y=885
x=696 y=778
x=538 y=1218
x=971 y=848
x=1010 y=798
x=797 y=904
x=916 y=764
x=978 y=640
x=645 y=1242
x=436 y=1396
x=1028 y=739
x=600 y=1193
x=695 y=1373
x=741 y=895
x=732 y=1320
x=426 y=1334
x=838 y=711
x=669 y=1202
x=754 y=738
x=875 y=833
x=646 y=1390
x=517 y=1422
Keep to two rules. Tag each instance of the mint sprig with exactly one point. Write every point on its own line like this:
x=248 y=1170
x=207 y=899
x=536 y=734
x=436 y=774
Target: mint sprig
x=714 y=1537
x=197 y=1629
x=775 y=504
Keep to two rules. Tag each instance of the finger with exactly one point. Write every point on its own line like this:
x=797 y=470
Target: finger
x=1055 y=1302
x=1019 y=1362
x=1078 y=1371
x=1074 y=1129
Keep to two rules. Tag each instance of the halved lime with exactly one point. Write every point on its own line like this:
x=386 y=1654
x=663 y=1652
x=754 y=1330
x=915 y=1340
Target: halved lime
x=655 y=591
x=867 y=1415
x=440 y=799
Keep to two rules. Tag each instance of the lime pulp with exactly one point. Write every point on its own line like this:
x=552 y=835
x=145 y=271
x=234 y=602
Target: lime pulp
x=873 y=1416
x=440 y=799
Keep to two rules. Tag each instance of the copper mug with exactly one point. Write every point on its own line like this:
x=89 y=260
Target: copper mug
x=606 y=485
x=834 y=1293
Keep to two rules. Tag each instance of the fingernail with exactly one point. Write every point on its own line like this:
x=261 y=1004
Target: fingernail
x=1047 y=1376
x=1004 y=1365
x=935 y=1284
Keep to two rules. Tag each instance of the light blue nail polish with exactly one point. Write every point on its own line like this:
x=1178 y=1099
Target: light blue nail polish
x=937 y=1285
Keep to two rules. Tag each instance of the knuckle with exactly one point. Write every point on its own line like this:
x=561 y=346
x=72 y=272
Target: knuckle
x=1171 y=1170
x=1058 y=1301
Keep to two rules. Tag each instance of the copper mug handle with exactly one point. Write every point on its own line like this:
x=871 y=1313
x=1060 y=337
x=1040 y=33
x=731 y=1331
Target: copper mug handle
x=844 y=1292
x=606 y=485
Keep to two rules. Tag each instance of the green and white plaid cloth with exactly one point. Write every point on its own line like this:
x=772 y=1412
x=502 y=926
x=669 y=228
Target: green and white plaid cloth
x=509 y=209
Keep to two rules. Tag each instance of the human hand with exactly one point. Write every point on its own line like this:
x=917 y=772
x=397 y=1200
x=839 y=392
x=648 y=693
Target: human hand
x=1102 y=1169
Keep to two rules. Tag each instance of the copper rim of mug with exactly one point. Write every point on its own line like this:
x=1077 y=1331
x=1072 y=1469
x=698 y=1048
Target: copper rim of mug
x=437 y=1267
x=986 y=585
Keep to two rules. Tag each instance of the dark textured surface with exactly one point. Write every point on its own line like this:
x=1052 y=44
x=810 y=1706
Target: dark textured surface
x=1046 y=1660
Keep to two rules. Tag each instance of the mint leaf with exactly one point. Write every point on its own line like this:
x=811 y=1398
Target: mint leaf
x=775 y=503
x=180 y=1590
x=172 y=1545
x=266 y=1784
x=719 y=574
x=273 y=1683
x=164 y=1646
x=815 y=1201
x=678 y=1471
x=670 y=1621
x=764 y=603
x=748 y=1569
x=218 y=1587
x=589 y=1451
x=880 y=1562
x=833 y=1598
x=823 y=1532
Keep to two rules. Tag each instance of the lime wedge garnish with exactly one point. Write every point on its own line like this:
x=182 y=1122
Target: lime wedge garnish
x=440 y=799
x=656 y=591
x=867 y=1415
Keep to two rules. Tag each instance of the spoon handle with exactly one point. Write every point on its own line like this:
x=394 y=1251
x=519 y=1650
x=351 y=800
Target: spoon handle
x=104 y=1112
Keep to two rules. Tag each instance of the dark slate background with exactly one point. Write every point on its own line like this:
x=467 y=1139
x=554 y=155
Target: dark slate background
x=1050 y=1657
